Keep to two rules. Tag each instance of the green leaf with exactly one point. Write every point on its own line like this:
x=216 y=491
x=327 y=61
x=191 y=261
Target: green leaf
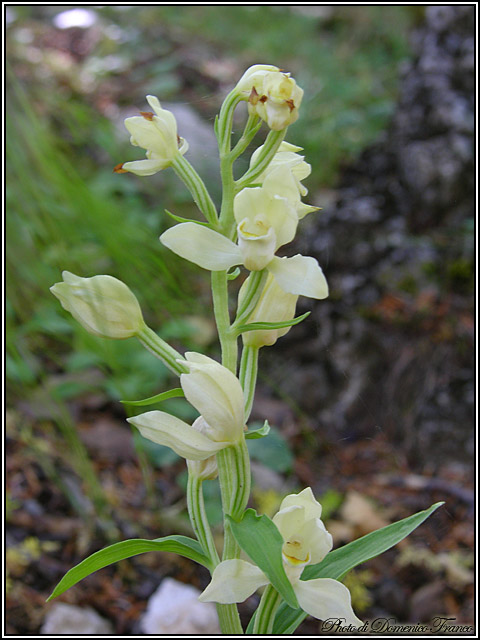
x=255 y=326
x=262 y=542
x=180 y=219
x=215 y=126
x=182 y=545
x=258 y=433
x=173 y=393
x=234 y=274
x=340 y=561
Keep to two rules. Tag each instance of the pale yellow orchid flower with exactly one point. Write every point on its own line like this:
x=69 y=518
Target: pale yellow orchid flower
x=156 y=132
x=217 y=395
x=306 y=541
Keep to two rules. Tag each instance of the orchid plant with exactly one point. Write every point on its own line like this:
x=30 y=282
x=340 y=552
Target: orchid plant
x=290 y=555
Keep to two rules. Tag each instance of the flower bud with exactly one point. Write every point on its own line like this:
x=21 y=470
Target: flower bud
x=272 y=95
x=203 y=469
x=274 y=305
x=103 y=305
x=156 y=132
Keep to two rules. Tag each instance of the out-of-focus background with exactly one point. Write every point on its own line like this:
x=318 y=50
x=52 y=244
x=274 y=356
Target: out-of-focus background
x=370 y=399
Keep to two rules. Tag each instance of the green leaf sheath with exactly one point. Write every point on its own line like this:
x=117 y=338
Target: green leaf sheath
x=262 y=542
x=127 y=549
x=338 y=562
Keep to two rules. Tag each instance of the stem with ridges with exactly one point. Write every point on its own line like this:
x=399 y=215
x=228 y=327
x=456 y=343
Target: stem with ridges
x=198 y=518
x=197 y=188
x=248 y=376
x=265 y=614
x=270 y=148
x=254 y=288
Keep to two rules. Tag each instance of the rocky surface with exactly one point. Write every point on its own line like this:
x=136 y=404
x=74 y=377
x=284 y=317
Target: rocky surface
x=393 y=344
x=68 y=619
x=174 y=609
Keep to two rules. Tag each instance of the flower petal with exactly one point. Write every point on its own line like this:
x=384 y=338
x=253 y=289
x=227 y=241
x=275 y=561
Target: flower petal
x=233 y=581
x=305 y=498
x=217 y=394
x=300 y=275
x=172 y=432
x=201 y=245
x=145 y=167
x=325 y=598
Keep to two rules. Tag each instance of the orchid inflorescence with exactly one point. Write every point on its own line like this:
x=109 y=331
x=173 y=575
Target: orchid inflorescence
x=259 y=214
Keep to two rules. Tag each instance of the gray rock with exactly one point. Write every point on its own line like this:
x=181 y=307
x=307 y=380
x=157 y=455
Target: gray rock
x=68 y=619
x=174 y=609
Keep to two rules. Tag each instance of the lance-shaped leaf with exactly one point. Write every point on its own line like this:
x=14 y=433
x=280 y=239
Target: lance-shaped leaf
x=262 y=542
x=338 y=562
x=127 y=549
x=256 y=326
x=160 y=397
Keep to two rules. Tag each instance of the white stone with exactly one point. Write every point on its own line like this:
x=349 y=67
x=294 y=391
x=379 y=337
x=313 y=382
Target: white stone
x=174 y=609
x=68 y=619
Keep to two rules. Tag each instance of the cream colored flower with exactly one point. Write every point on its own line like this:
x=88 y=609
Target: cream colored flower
x=156 y=132
x=274 y=305
x=299 y=275
x=306 y=541
x=203 y=469
x=103 y=305
x=217 y=395
x=286 y=156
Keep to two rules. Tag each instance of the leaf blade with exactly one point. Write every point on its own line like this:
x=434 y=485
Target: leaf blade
x=256 y=326
x=182 y=545
x=262 y=542
x=160 y=397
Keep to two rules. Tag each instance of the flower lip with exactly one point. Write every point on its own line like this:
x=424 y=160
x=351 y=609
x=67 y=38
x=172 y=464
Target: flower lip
x=295 y=546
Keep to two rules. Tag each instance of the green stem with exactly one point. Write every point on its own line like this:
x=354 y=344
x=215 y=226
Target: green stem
x=251 y=128
x=197 y=188
x=254 y=288
x=270 y=148
x=167 y=354
x=248 y=376
x=234 y=476
x=229 y=619
x=226 y=162
x=227 y=338
x=198 y=518
x=265 y=614
x=225 y=121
